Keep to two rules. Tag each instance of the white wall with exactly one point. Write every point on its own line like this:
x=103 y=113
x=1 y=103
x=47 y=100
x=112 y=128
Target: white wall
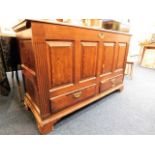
x=6 y=26
x=141 y=30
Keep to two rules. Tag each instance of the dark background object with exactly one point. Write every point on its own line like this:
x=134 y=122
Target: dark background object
x=9 y=62
x=14 y=54
x=4 y=83
x=115 y=25
x=110 y=24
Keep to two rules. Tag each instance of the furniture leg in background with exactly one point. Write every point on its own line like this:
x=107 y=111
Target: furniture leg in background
x=4 y=83
x=147 y=57
x=19 y=85
x=10 y=62
x=129 y=68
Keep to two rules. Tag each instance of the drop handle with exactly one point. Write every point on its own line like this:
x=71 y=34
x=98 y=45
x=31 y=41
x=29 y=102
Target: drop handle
x=101 y=35
x=77 y=95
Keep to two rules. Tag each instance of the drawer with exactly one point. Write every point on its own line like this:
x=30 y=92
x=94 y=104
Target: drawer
x=110 y=83
x=63 y=101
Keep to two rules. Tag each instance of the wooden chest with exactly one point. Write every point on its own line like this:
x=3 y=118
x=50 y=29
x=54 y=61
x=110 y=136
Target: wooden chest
x=68 y=67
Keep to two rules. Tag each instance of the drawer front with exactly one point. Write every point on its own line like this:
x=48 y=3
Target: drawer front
x=110 y=83
x=63 y=101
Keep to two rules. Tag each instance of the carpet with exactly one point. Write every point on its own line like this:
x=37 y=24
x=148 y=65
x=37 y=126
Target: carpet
x=130 y=112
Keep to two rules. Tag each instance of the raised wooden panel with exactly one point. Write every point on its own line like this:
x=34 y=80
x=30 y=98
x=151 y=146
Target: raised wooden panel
x=108 y=53
x=61 y=61
x=27 y=54
x=88 y=59
x=31 y=89
x=121 y=55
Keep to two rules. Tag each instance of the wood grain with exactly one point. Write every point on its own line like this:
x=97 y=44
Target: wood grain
x=68 y=67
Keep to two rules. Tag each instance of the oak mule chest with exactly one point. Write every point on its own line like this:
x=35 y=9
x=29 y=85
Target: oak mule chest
x=67 y=67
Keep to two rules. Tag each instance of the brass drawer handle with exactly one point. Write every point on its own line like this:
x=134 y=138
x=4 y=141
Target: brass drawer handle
x=78 y=94
x=101 y=35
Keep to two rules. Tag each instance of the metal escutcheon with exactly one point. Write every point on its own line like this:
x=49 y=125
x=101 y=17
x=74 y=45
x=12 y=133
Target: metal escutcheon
x=101 y=35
